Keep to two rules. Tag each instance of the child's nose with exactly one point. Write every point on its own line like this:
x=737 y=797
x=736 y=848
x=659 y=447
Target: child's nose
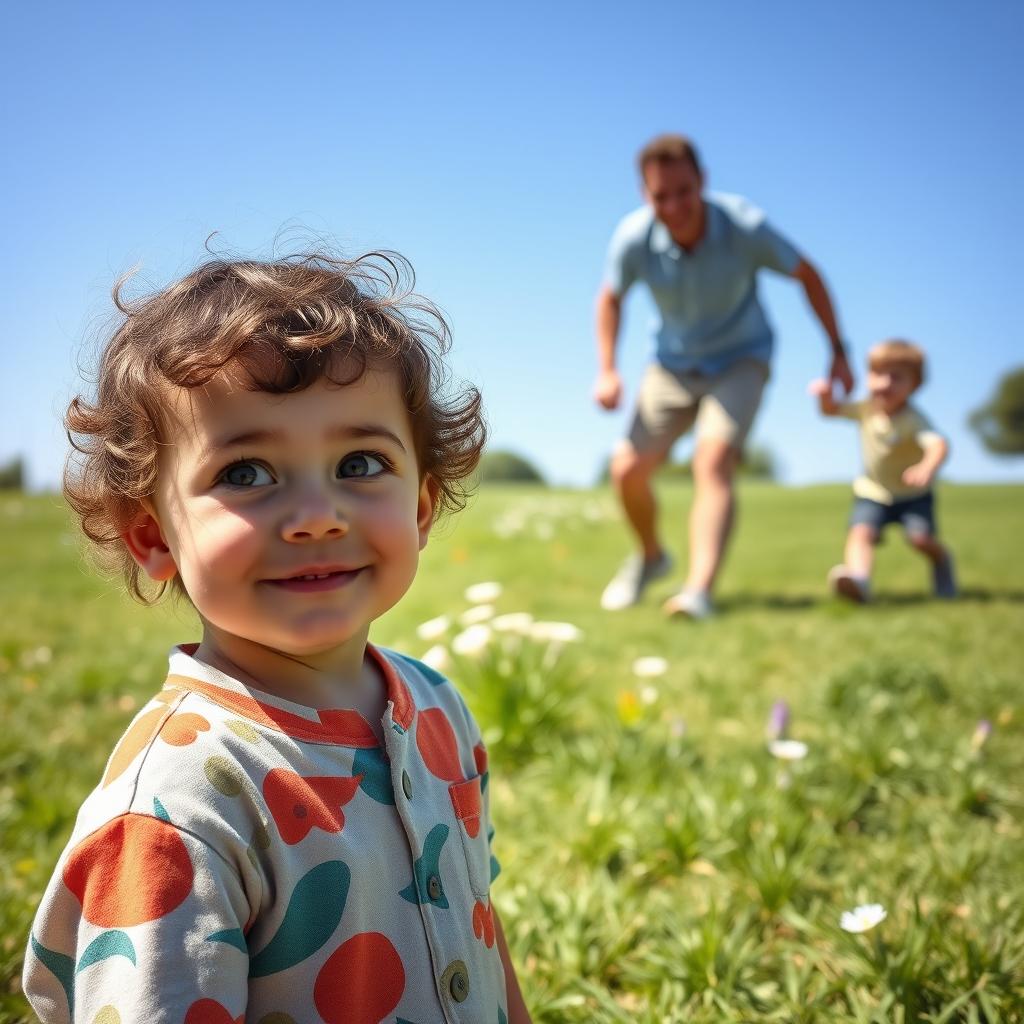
x=316 y=517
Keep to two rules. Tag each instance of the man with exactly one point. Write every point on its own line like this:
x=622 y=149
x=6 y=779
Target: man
x=699 y=254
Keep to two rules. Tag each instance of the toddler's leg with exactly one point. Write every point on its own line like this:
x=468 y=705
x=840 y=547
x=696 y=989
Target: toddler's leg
x=918 y=518
x=943 y=577
x=860 y=550
x=852 y=579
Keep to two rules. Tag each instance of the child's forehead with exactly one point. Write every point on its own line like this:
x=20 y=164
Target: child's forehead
x=234 y=396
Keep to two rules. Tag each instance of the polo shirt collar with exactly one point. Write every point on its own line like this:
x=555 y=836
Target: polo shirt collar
x=663 y=242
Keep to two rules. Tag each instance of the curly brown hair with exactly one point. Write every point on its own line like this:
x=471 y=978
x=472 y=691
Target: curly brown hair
x=285 y=323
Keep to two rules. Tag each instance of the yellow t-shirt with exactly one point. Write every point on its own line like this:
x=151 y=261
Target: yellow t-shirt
x=889 y=445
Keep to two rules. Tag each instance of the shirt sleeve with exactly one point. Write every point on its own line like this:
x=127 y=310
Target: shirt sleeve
x=850 y=410
x=621 y=268
x=142 y=918
x=771 y=250
x=923 y=431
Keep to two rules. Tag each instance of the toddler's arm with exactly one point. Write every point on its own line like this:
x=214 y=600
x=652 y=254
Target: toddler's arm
x=517 y=1011
x=822 y=390
x=936 y=449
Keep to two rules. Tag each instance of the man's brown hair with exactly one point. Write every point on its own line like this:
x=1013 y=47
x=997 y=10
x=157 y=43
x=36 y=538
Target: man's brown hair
x=281 y=325
x=896 y=352
x=668 y=149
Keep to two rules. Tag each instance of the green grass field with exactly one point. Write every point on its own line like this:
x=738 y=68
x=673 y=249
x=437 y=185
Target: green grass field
x=658 y=863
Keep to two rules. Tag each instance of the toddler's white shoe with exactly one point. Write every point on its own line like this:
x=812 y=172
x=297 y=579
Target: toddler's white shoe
x=844 y=584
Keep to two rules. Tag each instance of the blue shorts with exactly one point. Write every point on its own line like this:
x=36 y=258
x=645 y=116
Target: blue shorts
x=915 y=515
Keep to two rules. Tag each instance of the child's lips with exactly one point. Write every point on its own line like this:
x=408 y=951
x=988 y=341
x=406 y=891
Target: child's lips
x=316 y=580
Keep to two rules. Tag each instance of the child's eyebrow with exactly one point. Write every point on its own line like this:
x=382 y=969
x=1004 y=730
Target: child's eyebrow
x=340 y=433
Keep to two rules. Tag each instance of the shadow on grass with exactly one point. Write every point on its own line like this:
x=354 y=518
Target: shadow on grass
x=800 y=602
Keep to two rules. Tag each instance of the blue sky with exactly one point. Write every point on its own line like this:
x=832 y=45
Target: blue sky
x=494 y=148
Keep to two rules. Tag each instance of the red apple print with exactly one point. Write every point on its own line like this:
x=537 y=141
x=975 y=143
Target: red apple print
x=483 y=923
x=362 y=981
x=480 y=758
x=438 y=747
x=209 y=1011
x=299 y=805
x=132 y=870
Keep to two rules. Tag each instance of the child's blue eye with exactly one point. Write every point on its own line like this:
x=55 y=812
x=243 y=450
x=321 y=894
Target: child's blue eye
x=246 y=474
x=360 y=464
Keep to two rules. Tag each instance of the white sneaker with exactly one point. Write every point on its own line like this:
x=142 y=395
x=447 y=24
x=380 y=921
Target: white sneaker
x=631 y=580
x=845 y=584
x=689 y=604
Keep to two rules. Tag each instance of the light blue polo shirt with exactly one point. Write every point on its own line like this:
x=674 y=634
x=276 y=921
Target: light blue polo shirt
x=707 y=299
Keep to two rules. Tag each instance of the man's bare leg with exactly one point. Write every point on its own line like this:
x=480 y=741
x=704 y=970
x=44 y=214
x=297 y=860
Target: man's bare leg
x=631 y=475
x=713 y=512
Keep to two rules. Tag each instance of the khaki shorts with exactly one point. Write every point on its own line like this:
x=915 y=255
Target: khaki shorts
x=722 y=405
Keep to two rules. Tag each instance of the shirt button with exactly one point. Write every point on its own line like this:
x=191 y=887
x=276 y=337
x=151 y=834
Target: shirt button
x=459 y=986
x=406 y=785
x=434 y=887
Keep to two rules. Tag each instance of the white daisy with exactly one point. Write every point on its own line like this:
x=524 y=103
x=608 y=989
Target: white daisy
x=438 y=658
x=563 y=632
x=473 y=641
x=433 y=628
x=483 y=593
x=649 y=667
x=788 y=750
x=478 y=613
x=862 y=918
x=513 y=622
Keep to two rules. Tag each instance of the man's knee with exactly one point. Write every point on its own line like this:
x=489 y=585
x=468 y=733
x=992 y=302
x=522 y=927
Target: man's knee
x=715 y=461
x=628 y=466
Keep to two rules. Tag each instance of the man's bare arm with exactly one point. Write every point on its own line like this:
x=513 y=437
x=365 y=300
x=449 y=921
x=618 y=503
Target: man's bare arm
x=608 y=387
x=821 y=302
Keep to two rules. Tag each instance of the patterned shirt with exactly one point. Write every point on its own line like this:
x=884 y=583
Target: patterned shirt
x=889 y=445
x=245 y=858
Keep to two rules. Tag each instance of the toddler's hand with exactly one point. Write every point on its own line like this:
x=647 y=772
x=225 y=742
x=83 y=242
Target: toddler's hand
x=820 y=388
x=918 y=475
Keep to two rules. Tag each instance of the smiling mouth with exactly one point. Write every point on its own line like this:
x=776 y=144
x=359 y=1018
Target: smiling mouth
x=314 y=582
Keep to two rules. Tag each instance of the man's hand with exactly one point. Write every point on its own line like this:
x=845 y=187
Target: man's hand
x=608 y=389
x=840 y=371
x=920 y=474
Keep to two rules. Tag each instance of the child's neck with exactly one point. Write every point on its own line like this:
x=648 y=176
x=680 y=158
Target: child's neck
x=877 y=406
x=344 y=677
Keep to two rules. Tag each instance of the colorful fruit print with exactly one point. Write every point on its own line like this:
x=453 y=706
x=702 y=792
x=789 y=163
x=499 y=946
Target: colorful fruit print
x=299 y=804
x=134 y=869
x=437 y=745
x=483 y=923
x=362 y=981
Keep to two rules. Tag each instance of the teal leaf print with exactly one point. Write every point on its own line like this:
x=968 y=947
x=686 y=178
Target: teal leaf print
x=375 y=769
x=61 y=967
x=231 y=936
x=114 y=943
x=314 y=910
x=160 y=811
x=425 y=866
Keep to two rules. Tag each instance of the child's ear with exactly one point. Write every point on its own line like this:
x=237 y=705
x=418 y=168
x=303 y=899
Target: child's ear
x=145 y=542
x=426 y=506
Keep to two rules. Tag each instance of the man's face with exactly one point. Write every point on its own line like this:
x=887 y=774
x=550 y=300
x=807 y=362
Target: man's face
x=294 y=520
x=674 y=191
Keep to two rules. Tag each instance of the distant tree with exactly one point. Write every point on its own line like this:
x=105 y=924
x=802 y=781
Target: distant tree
x=508 y=467
x=759 y=463
x=1000 y=421
x=12 y=475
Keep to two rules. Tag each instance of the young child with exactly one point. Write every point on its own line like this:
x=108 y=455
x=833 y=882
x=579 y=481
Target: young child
x=902 y=453
x=296 y=827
